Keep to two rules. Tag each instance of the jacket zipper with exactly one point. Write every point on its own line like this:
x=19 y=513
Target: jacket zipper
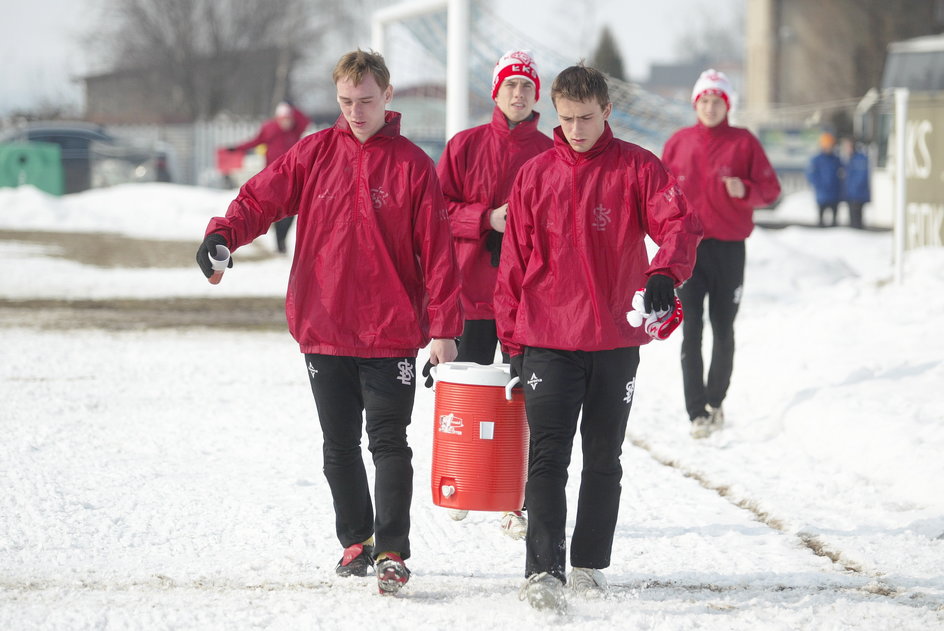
x=357 y=184
x=574 y=206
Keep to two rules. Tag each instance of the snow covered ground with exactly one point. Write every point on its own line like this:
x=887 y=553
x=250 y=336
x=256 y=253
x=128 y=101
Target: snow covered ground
x=171 y=478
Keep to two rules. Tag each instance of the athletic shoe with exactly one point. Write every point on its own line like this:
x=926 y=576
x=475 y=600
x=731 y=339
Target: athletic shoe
x=544 y=592
x=716 y=414
x=587 y=582
x=392 y=573
x=702 y=426
x=357 y=560
x=458 y=514
x=514 y=524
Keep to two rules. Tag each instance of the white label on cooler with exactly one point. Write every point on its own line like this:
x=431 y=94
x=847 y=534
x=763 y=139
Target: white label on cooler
x=486 y=430
x=450 y=424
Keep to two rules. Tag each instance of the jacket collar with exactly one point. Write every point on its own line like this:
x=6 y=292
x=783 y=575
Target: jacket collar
x=720 y=128
x=565 y=151
x=500 y=124
x=390 y=129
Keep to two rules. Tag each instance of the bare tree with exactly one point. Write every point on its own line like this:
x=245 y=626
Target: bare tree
x=713 y=42
x=202 y=55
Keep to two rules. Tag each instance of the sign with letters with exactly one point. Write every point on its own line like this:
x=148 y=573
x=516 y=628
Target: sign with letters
x=924 y=171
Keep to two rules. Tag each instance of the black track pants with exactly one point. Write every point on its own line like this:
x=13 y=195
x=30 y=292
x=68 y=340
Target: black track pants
x=719 y=276
x=557 y=386
x=282 y=226
x=855 y=214
x=831 y=208
x=347 y=391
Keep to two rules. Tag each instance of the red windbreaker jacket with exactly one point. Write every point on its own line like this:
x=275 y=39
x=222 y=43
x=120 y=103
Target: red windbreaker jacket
x=477 y=170
x=574 y=251
x=374 y=274
x=276 y=139
x=699 y=157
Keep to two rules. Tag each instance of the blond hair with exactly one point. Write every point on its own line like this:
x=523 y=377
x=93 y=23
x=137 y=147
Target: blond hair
x=355 y=65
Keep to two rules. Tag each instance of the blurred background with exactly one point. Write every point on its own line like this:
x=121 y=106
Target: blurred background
x=148 y=90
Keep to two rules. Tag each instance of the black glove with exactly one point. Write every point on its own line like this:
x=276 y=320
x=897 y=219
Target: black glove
x=429 y=377
x=660 y=293
x=203 y=252
x=493 y=243
x=516 y=366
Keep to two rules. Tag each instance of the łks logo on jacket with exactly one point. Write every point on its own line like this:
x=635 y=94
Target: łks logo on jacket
x=601 y=218
x=673 y=192
x=379 y=197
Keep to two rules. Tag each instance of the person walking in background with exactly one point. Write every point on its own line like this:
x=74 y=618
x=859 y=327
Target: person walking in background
x=278 y=134
x=477 y=170
x=823 y=174
x=725 y=175
x=856 y=190
x=373 y=278
x=573 y=256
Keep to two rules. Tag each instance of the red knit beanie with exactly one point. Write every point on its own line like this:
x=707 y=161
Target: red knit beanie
x=516 y=63
x=714 y=82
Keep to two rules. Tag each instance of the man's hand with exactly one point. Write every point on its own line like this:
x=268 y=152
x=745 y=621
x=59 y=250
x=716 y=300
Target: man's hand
x=735 y=187
x=498 y=217
x=443 y=350
x=203 y=252
x=660 y=293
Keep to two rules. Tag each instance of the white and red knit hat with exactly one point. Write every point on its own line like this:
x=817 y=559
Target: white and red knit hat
x=516 y=63
x=283 y=110
x=714 y=82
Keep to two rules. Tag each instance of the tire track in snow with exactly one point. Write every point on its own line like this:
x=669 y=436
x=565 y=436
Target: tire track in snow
x=877 y=586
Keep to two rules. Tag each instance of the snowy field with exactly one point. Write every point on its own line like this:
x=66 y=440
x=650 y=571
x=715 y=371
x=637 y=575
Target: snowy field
x=171 y=478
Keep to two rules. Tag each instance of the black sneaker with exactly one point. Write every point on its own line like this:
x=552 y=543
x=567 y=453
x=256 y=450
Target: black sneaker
x=392 y=574
x=357 y=560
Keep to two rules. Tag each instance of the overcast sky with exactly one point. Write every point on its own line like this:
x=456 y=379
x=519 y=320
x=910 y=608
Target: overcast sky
x=42 y=52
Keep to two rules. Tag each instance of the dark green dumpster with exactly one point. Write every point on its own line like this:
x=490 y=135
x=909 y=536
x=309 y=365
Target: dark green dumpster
x=36 y=163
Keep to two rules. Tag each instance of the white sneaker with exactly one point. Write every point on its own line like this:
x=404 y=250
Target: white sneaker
x=588 y=582
x=544 y=592
x=514 y=524
x=716 y=414
x=702 y=426
x=458 y=514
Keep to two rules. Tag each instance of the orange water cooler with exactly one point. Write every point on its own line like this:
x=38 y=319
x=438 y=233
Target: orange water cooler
x=480 y=438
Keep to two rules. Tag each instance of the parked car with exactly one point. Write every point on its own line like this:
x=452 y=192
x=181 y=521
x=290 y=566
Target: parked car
x=92 y=157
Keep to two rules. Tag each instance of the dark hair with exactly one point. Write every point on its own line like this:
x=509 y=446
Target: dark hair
x=356 y=64
x=580 y=83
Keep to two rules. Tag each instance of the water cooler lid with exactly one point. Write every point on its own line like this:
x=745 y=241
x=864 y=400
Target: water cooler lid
x=474 y=374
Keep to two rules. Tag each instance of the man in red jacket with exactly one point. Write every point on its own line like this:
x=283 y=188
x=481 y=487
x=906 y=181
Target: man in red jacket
x=573 y=256
x=373 y=279
x=278 y=135
x=477 y=170
x=725 y=175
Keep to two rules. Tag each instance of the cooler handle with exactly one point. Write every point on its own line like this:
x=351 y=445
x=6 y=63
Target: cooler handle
x=511 y=384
